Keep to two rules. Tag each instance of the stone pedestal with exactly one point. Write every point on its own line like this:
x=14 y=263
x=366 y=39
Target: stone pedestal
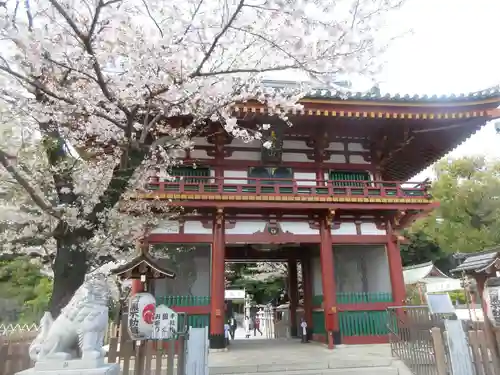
x=73 y=367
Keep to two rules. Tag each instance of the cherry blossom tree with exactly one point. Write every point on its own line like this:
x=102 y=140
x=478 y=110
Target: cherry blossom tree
x=93 y=93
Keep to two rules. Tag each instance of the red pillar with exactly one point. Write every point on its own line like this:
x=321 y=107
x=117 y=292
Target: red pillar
x=137 y=287
x=395 y=270
x=217 y=314
x=308 y=292
x=328 y=281
x=293 y=295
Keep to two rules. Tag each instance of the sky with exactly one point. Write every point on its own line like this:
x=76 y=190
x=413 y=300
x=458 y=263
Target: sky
x=454 y=47
x=445 y=47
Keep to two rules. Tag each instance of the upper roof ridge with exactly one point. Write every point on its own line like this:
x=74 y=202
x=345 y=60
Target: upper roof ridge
x=341 y=91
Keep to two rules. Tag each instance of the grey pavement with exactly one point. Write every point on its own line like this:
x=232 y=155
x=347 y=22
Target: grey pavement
x=240 y=335
x=254 y=355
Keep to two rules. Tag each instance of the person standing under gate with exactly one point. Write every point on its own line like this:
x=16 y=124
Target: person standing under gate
x=246 y=324
x=256 y=326
x=303 y=325
x=233 y=325
x=227 y=329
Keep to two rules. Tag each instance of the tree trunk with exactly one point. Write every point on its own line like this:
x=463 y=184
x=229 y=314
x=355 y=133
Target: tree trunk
x=70 y=267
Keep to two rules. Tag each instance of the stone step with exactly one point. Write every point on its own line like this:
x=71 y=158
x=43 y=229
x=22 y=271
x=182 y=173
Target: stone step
x=298 y=368
x=384 y=370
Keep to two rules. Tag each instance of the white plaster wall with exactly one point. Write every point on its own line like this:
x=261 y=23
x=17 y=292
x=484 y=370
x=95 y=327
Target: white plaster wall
x=357 y=159
x=344 y=229
x=355 y=147
x=192 y=270
x=298 y=227
x=245 y=155
x=167 y=227
x=337 y=158
x=196 y=227
x=298 y=145
x=200 y=154
x=201 y=141
x=239 y=142
x=305 y=176
x=247 y=227
x=371 y=229
x=236 y=177
x=336 y=146
x=288 y=156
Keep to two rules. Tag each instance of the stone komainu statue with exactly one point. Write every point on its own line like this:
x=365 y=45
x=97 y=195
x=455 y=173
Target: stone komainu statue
x=79 y=328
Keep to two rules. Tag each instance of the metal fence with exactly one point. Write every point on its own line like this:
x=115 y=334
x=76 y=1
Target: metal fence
x=411 y=339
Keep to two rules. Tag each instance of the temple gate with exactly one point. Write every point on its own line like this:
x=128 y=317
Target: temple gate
x=330 y=197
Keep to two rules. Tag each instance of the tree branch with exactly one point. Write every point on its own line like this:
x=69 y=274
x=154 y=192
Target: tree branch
x=122 y=173
x=217 y=38
x=256 y=70
x=39 y=201
x=152 y=18
x=87 y=43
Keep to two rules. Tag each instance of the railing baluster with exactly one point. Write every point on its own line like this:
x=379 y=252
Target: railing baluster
x=288 y=186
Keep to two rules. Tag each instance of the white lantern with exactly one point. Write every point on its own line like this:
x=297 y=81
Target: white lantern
x=491 y=297
x=141 y=315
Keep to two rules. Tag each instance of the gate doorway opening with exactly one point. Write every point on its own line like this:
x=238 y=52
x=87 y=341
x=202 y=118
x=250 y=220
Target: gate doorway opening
x=263 y=286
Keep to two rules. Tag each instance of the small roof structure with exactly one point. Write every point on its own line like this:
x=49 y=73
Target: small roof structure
x=143 y=264
x=419 y=273
x=433 y=278
x=484 y=262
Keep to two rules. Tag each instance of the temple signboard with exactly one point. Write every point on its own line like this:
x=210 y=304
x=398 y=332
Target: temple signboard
x=165 y=323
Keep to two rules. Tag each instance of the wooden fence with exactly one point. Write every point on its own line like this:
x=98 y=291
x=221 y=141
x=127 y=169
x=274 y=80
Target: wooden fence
x=150 y=358
x=154 y=358
x=484 y=354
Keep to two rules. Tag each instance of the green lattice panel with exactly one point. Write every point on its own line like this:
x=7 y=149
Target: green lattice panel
x=172 y=301
x=319 y=322
x=198 y=321
x=190 y=174
x=351 y=298
x=338 y=176
x=363 y=323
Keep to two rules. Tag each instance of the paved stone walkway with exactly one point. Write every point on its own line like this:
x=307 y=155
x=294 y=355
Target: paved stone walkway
x=268 y=356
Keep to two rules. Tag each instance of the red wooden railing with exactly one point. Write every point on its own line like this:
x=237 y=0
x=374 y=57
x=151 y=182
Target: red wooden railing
x=298 y=187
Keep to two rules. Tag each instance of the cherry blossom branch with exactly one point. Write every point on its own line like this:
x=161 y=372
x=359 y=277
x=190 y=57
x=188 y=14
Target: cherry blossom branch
x=215 y=42
x=273 y=44
x=30 y=190
x=249 y=70
x=152 y=18
x=193 y=16
x=122 y=173
x=38 y=239
x=36 y=84
x=87 y=43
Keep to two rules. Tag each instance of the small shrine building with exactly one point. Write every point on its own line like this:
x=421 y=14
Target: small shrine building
x=330 y=196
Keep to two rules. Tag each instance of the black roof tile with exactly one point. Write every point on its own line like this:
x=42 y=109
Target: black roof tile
x=375 y=95
x=478 y=262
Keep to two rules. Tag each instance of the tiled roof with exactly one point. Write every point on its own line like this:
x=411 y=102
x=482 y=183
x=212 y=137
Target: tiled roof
x=376 y=95
x=478 y=262
x=419 y=272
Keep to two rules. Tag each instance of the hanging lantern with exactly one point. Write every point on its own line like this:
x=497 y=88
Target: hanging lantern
x=141 y=315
